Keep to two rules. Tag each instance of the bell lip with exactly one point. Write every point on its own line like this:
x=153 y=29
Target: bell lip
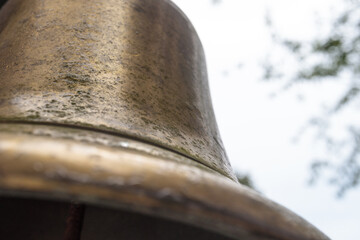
x=135 y=181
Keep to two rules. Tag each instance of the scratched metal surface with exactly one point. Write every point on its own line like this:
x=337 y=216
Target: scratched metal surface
x=107 y=102
x=43 y=162
x=130 y=67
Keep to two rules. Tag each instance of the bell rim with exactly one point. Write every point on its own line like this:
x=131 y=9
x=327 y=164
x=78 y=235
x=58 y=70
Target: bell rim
x=145 y=184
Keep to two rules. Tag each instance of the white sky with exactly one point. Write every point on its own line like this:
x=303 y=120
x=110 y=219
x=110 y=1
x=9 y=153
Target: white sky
x=257 y=130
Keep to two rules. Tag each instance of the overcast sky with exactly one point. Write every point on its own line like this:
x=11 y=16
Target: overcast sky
x=258 y=130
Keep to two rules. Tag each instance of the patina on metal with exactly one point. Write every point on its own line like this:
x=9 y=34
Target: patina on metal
x=133 y=68
x=106 y=103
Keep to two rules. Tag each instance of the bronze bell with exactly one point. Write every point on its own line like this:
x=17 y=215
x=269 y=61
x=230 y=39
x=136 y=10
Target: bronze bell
x=107 y=130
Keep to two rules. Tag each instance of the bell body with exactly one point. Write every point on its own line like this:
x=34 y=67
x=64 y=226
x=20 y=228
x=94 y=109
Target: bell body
x=106 y=103
x=131 y=68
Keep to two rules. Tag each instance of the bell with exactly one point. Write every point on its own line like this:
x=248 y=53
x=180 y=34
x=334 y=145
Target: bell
x=107 y=130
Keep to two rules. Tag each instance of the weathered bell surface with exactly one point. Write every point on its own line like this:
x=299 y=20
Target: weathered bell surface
x=106 y=103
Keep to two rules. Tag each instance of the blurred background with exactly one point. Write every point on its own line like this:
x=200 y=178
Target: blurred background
x=284 y=79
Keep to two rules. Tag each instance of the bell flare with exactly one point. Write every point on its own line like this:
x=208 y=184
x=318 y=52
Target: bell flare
x=117 y=178
x=107 y=130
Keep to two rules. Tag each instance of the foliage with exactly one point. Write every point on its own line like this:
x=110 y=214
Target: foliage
x=335 y=57
x=245 y=179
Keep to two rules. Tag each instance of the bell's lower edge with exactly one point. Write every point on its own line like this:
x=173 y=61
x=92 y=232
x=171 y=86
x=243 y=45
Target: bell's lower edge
x=44 y=162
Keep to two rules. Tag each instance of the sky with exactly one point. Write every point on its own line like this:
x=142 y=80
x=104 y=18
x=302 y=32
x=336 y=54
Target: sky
x=258 y=130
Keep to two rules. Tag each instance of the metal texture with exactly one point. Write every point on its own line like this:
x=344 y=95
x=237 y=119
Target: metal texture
x=106 y=103
x=129 y=67
x=116 y=172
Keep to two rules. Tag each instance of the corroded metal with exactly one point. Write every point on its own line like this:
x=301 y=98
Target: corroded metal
x=106 y=103
x=129 y=67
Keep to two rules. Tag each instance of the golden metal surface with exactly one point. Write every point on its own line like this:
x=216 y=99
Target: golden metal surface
x=119 y=176
x=130 y=67
x=107 y=103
